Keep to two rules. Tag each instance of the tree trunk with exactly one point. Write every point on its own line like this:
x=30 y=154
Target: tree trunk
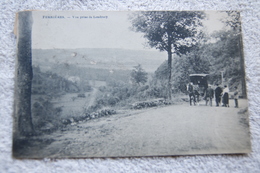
x=24 y=76
x=242 y=67
x=169 y=51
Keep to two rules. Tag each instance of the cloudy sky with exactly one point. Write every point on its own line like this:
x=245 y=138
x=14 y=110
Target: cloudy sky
x=78 y=30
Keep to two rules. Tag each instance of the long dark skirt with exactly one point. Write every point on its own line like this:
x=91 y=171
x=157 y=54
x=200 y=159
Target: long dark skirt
x=225 y=99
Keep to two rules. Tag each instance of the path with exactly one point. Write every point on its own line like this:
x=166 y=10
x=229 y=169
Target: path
x=176 y=129
x=92 y=98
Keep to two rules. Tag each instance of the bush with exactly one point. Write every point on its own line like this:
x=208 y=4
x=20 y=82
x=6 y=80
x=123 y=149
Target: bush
x=113 y=100
x=82 y=95
x=45 y=117
x=88 y=116
x=122 y=95
x=148 y=104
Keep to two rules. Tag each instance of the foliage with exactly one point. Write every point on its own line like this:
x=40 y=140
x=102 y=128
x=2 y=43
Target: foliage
x=49 y=83
x=88 y=116
x=233 y=21
x=122 y=95
x=138 y=75
x=225 y=54
x=45 y=116
x=173 y=32
x=166 y=30
x=221 y=54
x=193 y=63
x=150 y=103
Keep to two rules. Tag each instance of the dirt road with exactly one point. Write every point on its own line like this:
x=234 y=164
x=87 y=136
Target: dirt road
x=92 y=98
x=177 y=129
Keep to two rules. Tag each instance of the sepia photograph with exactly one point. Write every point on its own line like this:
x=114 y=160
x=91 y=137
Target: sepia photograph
x=129 y=84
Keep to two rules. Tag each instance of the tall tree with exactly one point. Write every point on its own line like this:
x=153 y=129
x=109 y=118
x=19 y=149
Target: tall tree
x=170 y=31
x=226 y=53
x=24 y=75
x=233 y=21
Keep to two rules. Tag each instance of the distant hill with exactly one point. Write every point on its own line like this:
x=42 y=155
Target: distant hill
x=112 y=59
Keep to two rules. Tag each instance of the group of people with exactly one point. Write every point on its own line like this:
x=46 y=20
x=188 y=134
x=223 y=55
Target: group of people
x=219 y=92
x=222 y=93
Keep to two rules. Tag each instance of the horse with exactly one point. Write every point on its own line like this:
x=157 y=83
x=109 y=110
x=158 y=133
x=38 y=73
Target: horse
x=192 y=98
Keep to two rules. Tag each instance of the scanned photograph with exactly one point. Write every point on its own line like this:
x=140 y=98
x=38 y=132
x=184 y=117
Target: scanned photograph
x=124 y=84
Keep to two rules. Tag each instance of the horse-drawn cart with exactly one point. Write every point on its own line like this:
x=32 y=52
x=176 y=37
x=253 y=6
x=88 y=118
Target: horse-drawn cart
x=199 y=86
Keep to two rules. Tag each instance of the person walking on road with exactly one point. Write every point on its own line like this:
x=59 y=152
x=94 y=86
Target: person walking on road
x=196 y=93
x=209 y=95
x=190 y=89
x=218 y=92
x=225 y=99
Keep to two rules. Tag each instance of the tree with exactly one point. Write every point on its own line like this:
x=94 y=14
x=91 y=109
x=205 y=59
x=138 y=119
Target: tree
x=138 y=75
x=192 y=63
x=170 y=31
x=24 y=74
x=227 y=52
x=234 y=22
x=196 y=61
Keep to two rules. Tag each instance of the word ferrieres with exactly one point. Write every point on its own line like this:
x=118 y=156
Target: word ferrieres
x=75 y=17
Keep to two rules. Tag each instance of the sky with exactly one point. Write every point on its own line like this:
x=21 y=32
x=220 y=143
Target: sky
x=70 y=30
x=110 y=32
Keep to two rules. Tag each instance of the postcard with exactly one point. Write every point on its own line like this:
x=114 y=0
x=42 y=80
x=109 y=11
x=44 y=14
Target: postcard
x=129 y=84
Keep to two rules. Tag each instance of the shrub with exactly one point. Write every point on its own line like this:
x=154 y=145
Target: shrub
x=45 y=117
x=87 y=116
x=151 y=103
x=82 y=95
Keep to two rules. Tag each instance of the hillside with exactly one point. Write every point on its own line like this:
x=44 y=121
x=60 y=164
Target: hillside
x=98 y=58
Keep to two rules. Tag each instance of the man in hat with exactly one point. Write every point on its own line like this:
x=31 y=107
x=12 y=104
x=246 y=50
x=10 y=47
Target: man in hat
x=218 y=93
